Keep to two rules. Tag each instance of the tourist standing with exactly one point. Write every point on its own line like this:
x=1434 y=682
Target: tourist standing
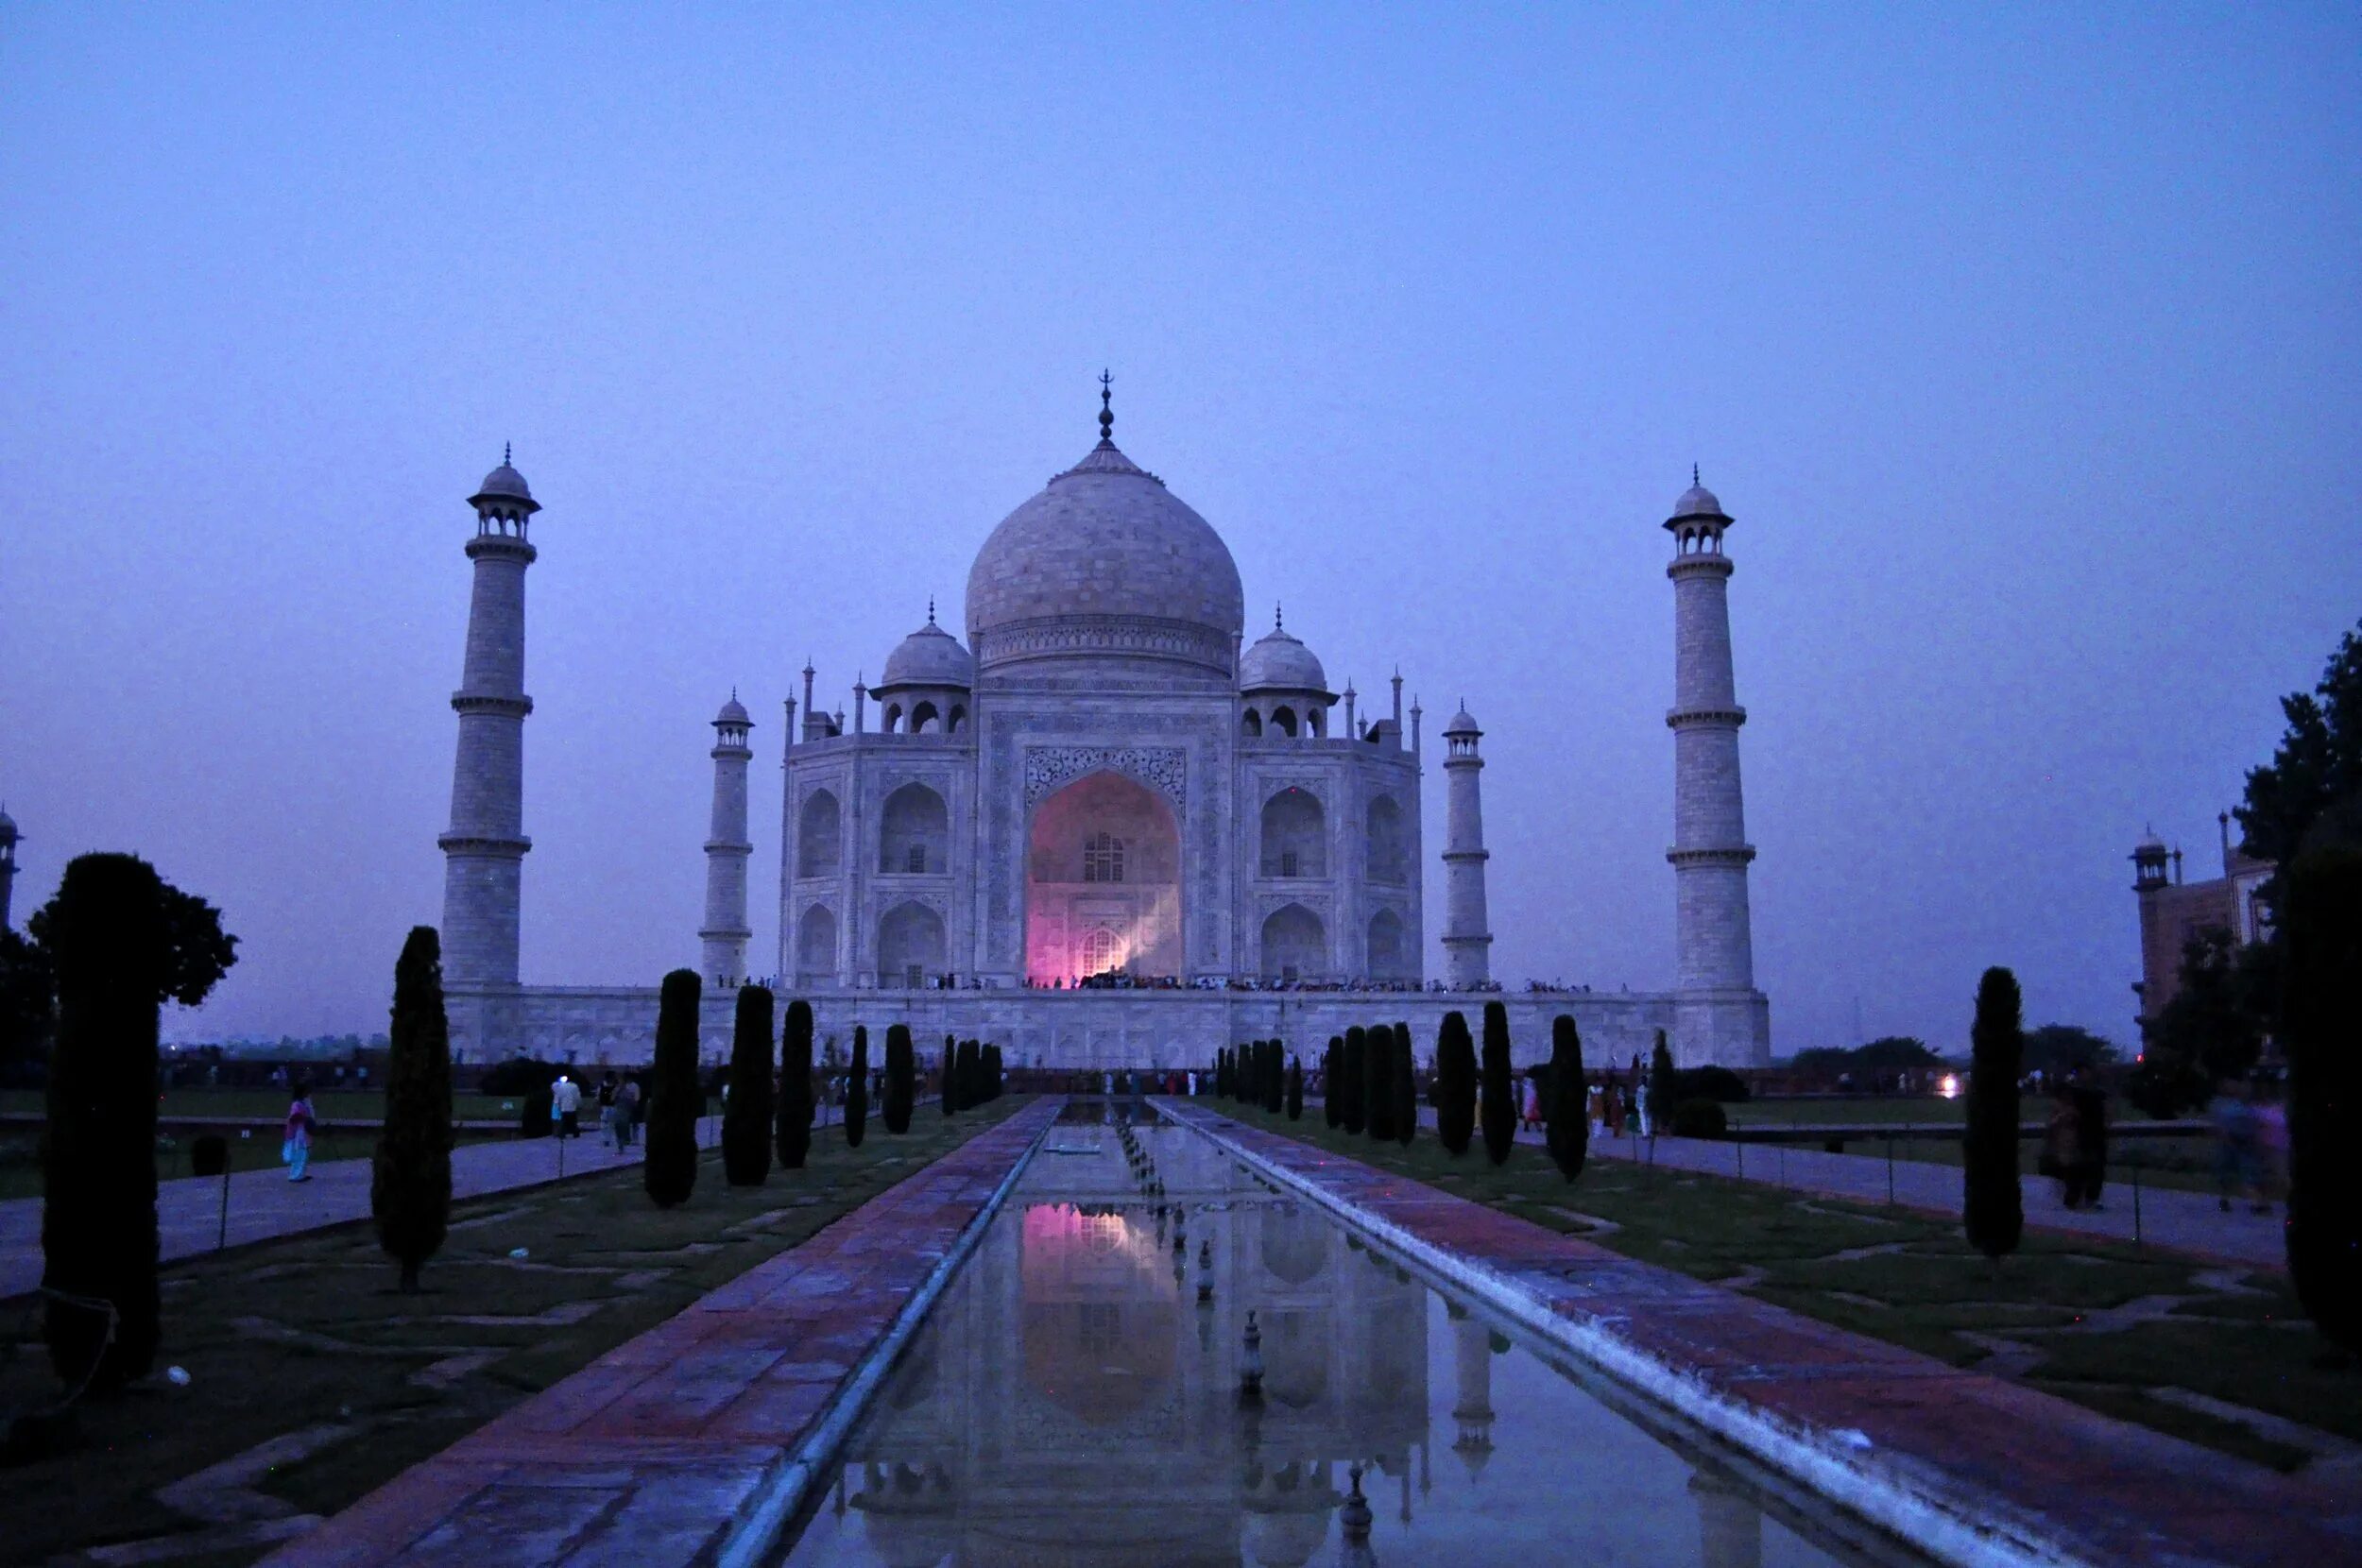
x=611 y=1110
x=2235 y=1141
x=295 y=1150
x=2061 y=1150
x=2090 y=1134
x=627 y=1099
x=2271 y=1148
x=566 y=1102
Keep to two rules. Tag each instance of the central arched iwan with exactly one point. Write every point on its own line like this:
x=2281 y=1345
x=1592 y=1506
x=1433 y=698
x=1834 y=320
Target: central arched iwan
x=1103 y=883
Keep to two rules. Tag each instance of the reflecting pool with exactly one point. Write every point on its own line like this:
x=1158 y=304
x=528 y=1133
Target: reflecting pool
x=1075 y=1398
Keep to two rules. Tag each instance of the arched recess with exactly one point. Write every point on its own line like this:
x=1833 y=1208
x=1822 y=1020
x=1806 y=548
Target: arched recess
x=914 y=832
x=1295 y=945
x=1283 y=719
x=1389 y=860
x=1103 y=883
x=1295 y=835
x=893 y=717
x=911 y=945
x=924 y=719
x=959 y=720
x=816 y=946
x=817 y=835
x=1389 y=960
x=1251 y=725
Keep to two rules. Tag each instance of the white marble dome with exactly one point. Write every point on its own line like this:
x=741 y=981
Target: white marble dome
x=929 y=657
x=1104 y=562
x=1280 y=662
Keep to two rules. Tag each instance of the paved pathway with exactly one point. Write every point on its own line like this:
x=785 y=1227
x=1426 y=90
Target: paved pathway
x=654 y=1453
x=2170 y=1217
x=1975 y=1448
x=263 y=1203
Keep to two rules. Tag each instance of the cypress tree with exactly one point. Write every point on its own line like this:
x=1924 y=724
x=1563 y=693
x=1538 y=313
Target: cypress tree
x=951 y=1095
x=1662 y=1086
x=1455 y=1083
x=900 y=1090
x=1497 y=1103
x=857 y=1090
x=1332 y=1062
x=1353 y=1114
x=1275 y=1076
x=1295 y=1090
x=747 y=1118
x=670 y=1172
x=795 y=1119
x=1405 y=1087
x=1377 y=1083
x=410 y=1174
x=1993 y=1207
x=123 y=942
x=1570 y=1125
x=2322 y=937
x=992 y=1069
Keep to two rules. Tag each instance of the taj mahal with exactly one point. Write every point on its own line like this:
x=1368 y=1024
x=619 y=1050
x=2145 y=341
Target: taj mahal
x=1106 y=830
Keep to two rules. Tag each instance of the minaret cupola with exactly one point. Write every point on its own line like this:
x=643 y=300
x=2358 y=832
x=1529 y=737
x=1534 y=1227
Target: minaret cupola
x=502 y=501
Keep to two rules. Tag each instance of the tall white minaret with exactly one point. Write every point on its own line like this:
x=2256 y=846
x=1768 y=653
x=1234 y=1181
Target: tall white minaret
x=484 y=851
x=1714 y=958
x=727 y=847
x=1467 y=938
x=9 y=838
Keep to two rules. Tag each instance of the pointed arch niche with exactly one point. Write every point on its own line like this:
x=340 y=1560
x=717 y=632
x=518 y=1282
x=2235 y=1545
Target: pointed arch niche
x=1103 y=883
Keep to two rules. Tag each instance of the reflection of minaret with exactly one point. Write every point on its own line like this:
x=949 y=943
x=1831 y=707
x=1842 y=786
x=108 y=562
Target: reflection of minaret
x=1730 y=1527
x=725 y=935
x=1473 y=1411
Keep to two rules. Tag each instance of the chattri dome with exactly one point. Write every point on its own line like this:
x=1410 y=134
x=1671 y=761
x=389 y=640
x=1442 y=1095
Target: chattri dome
x=1279 y=663
x=733 y=713
x=503 y=484
x=1698 y=501
x=929 y=657
x=1104 y=563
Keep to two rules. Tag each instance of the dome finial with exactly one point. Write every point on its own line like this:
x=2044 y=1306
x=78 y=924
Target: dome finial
x=1278 y=617
x=930 y=610
x=1107 y=409
x=1693 y=474
x=504 y=450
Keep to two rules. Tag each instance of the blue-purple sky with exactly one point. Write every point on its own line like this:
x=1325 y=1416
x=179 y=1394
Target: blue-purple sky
x=2022 y=342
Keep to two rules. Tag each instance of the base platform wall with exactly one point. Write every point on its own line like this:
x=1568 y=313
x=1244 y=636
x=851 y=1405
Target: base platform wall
x=616 y=1026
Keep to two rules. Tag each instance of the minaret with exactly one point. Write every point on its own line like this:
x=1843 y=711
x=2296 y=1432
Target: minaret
x=9 y=838
x=1715 y=949
x=484 y=851
x=726 y=848
x=1467 y=941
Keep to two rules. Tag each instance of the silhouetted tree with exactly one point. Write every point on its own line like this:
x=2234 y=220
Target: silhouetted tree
x=950 y=1058
x=1332 y=1063
x=794 y=1117
x=1664 y=1089
x=1353 y=1114
x=900 y=1090
x=747 y=1116
x=1455 y=1083
x=670 y=1172
x=123 y=942
x=857 y=1090
x=1405 y=1087
x=1993 y=1207
x=1568 y=1122
x=2322 y=928
x=410 y=1174
x=1295 y=1090
x=1499 y=1104
x=1275 y=1076
x=1377 y=1083
x=968 y=1072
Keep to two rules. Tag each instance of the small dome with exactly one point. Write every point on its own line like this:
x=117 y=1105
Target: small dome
x=929 y=657
x=1699 y=501
x=734 y=712
x=503 y=484
x=2150 y=843
x=1279 y=663
x=1462 y=724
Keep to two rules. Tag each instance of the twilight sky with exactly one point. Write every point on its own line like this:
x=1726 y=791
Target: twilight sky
x=2022 y=344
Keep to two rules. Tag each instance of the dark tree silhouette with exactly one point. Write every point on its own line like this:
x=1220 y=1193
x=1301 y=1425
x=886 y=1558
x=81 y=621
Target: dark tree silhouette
x=901 y=1085
x=1992 y=1206
x=670 y=1172
x=746 y=1119
x=410 y=1175
x=2321 y=925
x=1499 y=1105
x=1405 y=1087
x=1568 y=1122
x=1455 y=1083
x=857 y=1090
x=793 y=1130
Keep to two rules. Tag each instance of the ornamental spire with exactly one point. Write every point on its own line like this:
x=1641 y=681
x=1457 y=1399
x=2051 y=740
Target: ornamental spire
x=1106 y=410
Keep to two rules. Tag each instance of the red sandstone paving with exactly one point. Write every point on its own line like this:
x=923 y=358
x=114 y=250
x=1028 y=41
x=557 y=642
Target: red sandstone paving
x=2113 y=1491
x=648 y=1454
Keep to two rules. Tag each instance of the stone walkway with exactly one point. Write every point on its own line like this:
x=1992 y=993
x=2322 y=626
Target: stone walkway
x=657 y=1452
x=2173 y=1219
x=1981 y=1452
x=263 y=1203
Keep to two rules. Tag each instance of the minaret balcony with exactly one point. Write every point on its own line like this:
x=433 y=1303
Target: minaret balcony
x=1693 y=718
x=481 y=702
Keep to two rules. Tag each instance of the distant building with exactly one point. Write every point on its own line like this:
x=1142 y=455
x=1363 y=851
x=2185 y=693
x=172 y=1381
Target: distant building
x=2173 y=912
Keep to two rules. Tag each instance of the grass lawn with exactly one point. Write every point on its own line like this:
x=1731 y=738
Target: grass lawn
x=20 y=1154
x=309 y=1333
x=1850 y=1111
x=332 y=1104
x=2095 y=1322
x=2186 y=1163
